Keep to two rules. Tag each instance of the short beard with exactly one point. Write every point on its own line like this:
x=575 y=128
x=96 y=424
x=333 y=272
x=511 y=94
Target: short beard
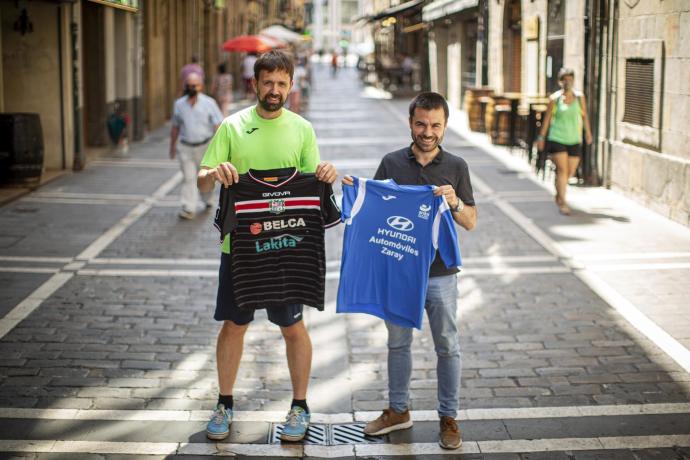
x=414 y=140
x=269 y=107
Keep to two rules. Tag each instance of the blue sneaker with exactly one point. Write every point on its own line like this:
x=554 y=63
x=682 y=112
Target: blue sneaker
x=218 y=427
x=296 y=425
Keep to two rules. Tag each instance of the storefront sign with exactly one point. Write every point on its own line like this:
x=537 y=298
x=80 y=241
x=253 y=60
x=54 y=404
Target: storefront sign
x=129 y=5
x=531 y=28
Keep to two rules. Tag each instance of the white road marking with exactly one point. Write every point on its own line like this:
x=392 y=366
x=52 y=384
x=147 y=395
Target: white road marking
x=345 y=417
x=356 y=163
x=151 y=261
x=32 y=302
x=393 y=450
x=35 y=270
x=148 y=273
x=134 y=163
x=80 y=201
x=634 y=256
x=354 y=141
x=638 y=267
x=116 y=230
x=47 y=260
x=100 y=196
x=55 y=282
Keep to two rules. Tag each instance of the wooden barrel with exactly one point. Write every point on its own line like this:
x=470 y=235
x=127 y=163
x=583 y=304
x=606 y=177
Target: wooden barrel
x=21 y=148
x=471 y=108
x=502 y=133
x=489 y=117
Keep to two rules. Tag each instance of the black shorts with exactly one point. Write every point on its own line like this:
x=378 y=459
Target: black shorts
x=574 y=150
x=227 y=310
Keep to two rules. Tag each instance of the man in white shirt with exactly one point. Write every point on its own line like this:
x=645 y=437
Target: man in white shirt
x=195 y=119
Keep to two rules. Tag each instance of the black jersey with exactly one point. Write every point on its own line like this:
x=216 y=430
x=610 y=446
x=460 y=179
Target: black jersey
x=276 y=220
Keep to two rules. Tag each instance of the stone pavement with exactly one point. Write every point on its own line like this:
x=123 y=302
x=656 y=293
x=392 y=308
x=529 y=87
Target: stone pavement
x=574 y=329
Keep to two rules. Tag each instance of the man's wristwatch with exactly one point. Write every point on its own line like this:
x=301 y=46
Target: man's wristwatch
x=460 y=206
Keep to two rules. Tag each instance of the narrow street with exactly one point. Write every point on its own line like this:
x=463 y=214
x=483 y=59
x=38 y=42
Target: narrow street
x=575 y=330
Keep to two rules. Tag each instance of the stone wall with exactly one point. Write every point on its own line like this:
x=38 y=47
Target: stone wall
x=652 y=163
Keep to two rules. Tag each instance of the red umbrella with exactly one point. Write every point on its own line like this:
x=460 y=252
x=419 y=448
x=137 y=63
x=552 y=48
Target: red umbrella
x=252 y=44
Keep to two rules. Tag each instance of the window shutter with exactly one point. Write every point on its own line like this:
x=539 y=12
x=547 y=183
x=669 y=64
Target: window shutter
x=639 y=91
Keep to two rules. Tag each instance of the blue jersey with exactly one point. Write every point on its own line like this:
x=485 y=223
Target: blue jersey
x=392 y=233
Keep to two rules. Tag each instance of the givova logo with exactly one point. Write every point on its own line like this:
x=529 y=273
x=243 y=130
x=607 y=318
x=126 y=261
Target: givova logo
x=400 y=223
x=276 y=243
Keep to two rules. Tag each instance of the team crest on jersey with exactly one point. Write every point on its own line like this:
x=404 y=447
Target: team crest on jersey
x=276 y=206
x=424 y=211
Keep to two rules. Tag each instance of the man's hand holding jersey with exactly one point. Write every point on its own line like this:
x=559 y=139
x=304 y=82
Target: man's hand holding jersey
x=326 y=172
x=448 y=191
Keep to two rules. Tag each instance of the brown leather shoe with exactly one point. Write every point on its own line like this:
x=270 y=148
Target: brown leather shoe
x=449 y=437
x=388 y=421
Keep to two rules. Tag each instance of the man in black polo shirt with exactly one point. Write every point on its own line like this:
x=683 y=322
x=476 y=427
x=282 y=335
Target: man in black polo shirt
x=424 y=162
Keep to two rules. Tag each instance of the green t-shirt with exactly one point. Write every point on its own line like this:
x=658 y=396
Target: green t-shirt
x=250 y=142
x=566 y=122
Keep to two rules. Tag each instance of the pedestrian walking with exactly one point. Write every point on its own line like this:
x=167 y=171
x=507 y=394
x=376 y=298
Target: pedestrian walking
x=261 y=137
x=117 y=124
x=248 y=74
x=192 y=66
x=221 y=88
x=561 y=133
x=196 y=117
x=334 y=63
x=425 y=162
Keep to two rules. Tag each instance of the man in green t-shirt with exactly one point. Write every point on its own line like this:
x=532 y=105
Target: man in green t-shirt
x=264 y=136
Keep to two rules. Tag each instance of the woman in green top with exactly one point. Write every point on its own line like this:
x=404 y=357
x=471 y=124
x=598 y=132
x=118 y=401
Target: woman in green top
x=562 y=130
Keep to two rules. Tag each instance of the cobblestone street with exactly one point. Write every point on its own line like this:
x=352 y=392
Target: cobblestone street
x=575 y=330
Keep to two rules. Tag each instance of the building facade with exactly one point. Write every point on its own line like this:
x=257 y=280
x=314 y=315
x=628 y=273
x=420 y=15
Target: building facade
x=71 y=62
x=630 y=58
x=645 y=104
x=74 y=62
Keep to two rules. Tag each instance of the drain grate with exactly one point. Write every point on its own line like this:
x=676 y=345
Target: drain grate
x=316 y=434
x=352 y=433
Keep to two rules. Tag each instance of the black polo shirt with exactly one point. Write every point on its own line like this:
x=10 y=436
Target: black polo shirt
x=444 y=169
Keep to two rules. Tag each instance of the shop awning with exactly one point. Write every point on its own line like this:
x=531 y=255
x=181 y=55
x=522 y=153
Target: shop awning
x=441 y=8
x=396 y=10
x=127 y=5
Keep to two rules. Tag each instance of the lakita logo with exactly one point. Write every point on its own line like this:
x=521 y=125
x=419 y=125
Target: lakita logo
x=278 y=242
x=280 y=224
x=400 y=223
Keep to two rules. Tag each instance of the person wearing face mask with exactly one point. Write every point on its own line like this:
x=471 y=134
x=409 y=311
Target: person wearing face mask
x=195 y=119
x=561 y=133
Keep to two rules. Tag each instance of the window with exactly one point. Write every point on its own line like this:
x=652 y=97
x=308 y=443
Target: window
x=639 y=92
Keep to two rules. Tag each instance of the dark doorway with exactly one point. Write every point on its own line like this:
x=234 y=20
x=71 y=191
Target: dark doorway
x=512 y=47
x=93 y=74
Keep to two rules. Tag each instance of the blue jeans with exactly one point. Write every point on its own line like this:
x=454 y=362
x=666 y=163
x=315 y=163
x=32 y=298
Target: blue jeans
x=441 y=307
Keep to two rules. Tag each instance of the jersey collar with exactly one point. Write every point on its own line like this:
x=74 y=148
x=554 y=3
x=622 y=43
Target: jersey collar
x=287 y=174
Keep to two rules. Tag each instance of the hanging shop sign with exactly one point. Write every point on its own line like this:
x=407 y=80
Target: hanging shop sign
x=531 y=28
